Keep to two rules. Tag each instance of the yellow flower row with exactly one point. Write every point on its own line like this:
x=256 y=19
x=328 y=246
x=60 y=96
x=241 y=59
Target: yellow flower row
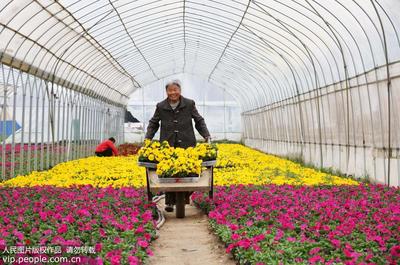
x=236 y=164
x=121 y=171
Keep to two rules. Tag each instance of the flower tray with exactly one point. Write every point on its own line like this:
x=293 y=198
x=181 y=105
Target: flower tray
x=147 y=164
x=210 y=163
x=179 y=180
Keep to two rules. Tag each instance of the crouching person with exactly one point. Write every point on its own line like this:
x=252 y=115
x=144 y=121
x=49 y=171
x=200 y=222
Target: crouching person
x=107 y=148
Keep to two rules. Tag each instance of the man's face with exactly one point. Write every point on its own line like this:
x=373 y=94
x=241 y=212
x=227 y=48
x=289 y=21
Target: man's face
x=173 y=92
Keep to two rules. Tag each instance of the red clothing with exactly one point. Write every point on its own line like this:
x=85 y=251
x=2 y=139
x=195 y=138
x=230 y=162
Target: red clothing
x=107 y=144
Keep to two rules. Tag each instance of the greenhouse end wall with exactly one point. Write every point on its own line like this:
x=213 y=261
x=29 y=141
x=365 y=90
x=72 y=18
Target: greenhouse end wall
x=353 y=135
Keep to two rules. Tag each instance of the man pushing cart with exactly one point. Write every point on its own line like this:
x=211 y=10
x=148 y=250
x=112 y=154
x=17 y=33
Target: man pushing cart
x=175 y=114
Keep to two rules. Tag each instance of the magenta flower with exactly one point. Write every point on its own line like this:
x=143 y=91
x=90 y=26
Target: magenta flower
x=233 y=227
x=69 y=217
x=315 y=259
x=143 y=243
x=2 y=244
x=19 y=235
x=116 y=260
x=133 y=260
x=314 y=251
x=235 y=237
x=139 y=230
x=335 y=243
x=335 y=217
x=98 y=247
x=395 y=251
x=117 y=240
x=99 y=261
x=63 y=228
x=291 y=239
x=149 y=252
x=230 y=248
x=244 y=243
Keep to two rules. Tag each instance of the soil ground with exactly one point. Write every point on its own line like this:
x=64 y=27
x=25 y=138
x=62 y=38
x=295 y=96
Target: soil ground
x=188 y=241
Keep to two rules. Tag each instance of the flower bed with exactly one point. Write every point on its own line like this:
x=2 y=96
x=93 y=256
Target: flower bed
x=96 y=171
x=128 y=149
x=238 y=164
x=107 y=225
x=306 y=224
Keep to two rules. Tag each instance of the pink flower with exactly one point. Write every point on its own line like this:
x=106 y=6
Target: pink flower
x=149 y=252
x=132 y=260
x=279 y=235
x=139 y=230
x=102 y=233
x=235 y=236
x=19 y=235
x=99 y=261
x=2 y=244
x=83 y=212
x=43 y=241
x=314 y=251
x=147 y=236
x=395 y=251
x=230 y=247
x=147 y=216
x=43 y=216
x=291 y=239
x=47 y=232
x=98 y=247
x=69 y=218
x=233 y=227
x=315 y=259
x=335 y=243
x=256 y=247
x=63 y=228
x=259 y=238
x=143 y=243
x=244 y=243
x=117 y=240
x=116 y=260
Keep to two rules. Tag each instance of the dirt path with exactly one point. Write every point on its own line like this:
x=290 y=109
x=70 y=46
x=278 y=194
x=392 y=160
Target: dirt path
x=188 y=241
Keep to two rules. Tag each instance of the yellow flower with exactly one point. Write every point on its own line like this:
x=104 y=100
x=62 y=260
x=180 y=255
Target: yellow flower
x=236 y=164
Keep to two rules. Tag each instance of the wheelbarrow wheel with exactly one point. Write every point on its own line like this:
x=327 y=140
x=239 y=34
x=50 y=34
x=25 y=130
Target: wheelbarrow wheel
x=180 y=204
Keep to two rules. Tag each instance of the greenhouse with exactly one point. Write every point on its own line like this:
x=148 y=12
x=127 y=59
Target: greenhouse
x=200 y=132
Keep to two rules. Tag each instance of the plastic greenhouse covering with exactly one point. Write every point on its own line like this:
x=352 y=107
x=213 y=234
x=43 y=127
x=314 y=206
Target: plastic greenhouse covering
x=294 y=156
x=310 y=79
